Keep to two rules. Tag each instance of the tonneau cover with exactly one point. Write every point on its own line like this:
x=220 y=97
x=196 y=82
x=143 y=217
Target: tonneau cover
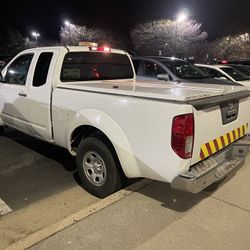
x=199 y=95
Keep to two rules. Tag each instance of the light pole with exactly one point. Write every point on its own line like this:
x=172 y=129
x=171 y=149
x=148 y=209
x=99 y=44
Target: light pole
x=68 y=24
x=180 y=18
x=36 y=35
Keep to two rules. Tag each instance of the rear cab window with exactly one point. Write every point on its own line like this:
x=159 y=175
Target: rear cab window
x=87 y=66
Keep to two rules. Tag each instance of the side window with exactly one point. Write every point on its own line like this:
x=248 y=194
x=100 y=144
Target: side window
x=149 y=69
x=42 y=68
x=136 y=65
x=219 y=75
x=18 y=70
x=152 y=69
x=159 y=70
x=211 y=72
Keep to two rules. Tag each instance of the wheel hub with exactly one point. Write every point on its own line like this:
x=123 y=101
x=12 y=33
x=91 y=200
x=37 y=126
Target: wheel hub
x=94 y=168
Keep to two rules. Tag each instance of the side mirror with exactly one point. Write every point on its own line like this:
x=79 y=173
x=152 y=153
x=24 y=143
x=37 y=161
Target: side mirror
x=163 y=77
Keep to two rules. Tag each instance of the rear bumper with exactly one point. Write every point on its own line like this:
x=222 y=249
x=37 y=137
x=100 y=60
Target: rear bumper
x=214 y=168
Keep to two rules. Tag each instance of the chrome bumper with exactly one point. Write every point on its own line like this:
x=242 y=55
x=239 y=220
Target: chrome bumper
x=214 y=168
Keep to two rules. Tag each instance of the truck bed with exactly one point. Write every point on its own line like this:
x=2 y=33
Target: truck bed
x=183 y=92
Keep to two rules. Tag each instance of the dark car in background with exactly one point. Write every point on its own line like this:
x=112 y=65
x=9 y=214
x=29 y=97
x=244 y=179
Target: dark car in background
x=4 y=59
x=171 y=69
x=236 y=61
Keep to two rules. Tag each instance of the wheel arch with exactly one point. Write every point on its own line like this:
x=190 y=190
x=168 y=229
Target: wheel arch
x=89 y=122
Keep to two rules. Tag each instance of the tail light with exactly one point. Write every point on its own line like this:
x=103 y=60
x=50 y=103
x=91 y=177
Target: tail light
x=183 y=135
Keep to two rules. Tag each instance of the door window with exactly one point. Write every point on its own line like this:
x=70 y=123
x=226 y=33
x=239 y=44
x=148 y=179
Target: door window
x=152 y=69
x=213 y=72
x=136 y=65
x=18 y=70
x=42 y=68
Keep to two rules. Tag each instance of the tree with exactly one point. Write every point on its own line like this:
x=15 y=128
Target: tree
x=73 y=34
x=167 y=36
x=11 y=41
x=231 y=47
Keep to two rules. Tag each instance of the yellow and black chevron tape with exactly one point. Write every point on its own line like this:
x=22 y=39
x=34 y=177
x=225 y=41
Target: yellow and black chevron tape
x=221 y=142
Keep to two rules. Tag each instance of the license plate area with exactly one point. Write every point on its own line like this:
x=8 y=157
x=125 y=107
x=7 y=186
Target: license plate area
x=229 y=111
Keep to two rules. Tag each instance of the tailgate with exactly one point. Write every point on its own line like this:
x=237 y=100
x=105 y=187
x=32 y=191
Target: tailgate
x=219 y=121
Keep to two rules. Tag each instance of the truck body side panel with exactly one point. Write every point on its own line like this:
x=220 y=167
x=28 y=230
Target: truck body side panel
x=142 y=139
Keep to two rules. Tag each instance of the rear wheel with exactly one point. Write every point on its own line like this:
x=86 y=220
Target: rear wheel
x=1 y=129
x=98 y=167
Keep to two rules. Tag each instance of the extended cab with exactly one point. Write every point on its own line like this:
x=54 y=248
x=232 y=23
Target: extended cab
x=86 y=100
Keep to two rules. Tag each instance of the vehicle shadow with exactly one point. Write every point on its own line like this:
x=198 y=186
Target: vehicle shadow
x=177 y=200
x=50 y=151
x=172 y=199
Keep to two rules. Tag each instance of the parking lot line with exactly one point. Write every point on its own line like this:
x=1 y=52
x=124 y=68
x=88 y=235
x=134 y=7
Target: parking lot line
x=44 y=233
x=4 y=208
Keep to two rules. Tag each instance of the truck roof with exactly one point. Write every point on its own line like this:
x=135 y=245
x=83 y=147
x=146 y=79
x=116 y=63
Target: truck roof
x=72 y=49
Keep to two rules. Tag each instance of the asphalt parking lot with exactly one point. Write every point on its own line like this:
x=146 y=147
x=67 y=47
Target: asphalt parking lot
x=48 y=209
x=158 y=217
x=38 y=186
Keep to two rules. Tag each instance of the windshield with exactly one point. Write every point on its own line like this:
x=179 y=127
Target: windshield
x=185 y=70
x=85 y=66
x=243 y=69
x=235 y=74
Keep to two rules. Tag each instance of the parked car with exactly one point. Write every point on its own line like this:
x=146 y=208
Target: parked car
x=239 y=61
x=172 y=69
x=225 y=72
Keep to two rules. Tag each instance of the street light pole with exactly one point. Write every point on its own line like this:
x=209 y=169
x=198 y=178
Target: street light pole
x=36 y=35
x=180 y=18
x=68 y=24
x=175 y=37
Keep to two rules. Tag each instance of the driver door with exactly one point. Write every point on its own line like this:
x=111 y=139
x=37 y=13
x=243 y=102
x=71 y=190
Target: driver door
x=13 y=92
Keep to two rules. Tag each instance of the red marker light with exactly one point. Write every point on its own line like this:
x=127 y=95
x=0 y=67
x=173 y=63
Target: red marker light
x=224 y=61
x=100 y=49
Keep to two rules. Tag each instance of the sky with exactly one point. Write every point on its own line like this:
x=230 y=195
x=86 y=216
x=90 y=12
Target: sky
x=219 y=17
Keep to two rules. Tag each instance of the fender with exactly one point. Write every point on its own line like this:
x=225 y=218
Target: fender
x=107 y=125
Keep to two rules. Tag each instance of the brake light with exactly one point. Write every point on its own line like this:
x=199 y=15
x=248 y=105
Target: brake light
x=183 y=135
x=100 y=49
x=224 y=61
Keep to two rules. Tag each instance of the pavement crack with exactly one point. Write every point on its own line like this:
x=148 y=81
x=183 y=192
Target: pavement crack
x=231 y=204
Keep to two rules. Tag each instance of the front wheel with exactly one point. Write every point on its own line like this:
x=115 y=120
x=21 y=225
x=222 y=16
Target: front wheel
x=98 y=167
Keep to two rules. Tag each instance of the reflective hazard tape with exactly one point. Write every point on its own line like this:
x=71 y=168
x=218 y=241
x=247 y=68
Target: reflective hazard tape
x=221 y=142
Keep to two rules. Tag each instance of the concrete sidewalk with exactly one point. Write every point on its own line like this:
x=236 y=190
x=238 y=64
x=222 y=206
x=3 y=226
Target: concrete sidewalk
x=157 y=217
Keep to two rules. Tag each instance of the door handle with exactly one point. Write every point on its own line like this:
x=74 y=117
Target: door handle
x=22 y=94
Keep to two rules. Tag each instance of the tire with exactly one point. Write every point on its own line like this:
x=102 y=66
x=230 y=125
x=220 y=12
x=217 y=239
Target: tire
x=98 y=167
x=1 y=129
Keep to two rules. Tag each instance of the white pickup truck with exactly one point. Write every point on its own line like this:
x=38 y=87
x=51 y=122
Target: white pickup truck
x=86 y=100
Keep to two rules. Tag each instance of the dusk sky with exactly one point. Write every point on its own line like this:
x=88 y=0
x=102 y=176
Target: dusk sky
x=219 y=17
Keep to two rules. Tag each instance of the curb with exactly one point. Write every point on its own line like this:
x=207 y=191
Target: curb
x=44 y=233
